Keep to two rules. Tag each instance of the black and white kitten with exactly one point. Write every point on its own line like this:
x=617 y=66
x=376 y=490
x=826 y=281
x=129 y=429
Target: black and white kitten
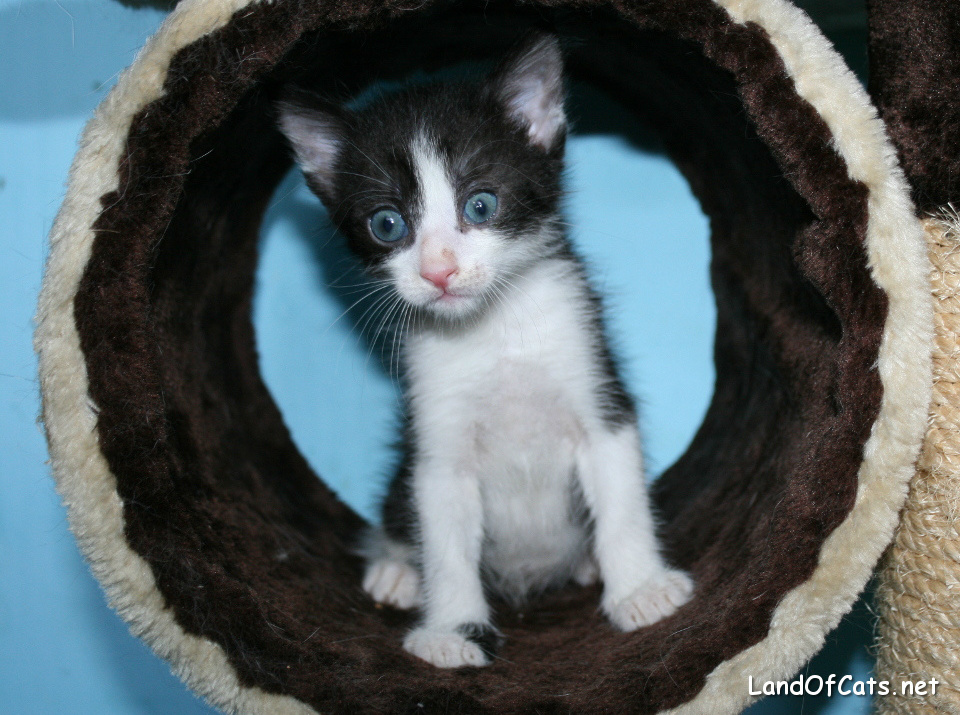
x=522 y=466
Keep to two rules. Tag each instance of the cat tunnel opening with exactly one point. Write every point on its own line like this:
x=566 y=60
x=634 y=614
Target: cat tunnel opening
x=236 y=562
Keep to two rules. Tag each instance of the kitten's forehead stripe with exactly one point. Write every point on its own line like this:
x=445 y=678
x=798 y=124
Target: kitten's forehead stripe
x=438 y=199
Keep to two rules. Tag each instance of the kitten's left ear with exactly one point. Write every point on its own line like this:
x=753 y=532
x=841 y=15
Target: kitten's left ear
x=530 y=86
x=315 y=130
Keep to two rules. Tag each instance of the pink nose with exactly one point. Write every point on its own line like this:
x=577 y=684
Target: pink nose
x=440 y=277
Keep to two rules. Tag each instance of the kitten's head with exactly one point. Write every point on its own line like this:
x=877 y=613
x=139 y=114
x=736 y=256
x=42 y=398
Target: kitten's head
x=450 y=191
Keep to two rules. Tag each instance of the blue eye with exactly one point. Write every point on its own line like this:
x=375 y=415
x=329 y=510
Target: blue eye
x=388 y=225
x=480 y=208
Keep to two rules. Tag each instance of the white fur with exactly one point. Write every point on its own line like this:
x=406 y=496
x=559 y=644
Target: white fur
x=507 y=419
x=391 y=576
x=501 y=403
x=444 y=649
x=395 y=583
x=509 y=432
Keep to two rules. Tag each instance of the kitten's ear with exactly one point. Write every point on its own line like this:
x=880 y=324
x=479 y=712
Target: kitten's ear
x=315 y=130
x=529 y=84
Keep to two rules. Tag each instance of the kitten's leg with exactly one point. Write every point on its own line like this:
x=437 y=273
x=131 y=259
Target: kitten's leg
x=456 y=627
x=391 y=575
x=639 y=588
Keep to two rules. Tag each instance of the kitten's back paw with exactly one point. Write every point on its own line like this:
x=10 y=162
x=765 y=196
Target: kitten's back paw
x=468 y=644
x=651 y=602
x=587 y=572
x=395 y=583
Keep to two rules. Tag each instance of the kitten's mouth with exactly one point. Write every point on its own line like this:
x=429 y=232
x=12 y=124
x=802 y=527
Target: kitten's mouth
x=453 y=303
x=446 y=295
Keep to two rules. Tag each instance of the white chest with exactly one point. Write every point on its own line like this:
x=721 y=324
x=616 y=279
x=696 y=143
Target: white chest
x=521 y=380
x=510 y=401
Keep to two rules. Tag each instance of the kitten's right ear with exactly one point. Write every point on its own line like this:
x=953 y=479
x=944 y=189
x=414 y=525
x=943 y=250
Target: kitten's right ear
x=316 y=131
x=529 y=84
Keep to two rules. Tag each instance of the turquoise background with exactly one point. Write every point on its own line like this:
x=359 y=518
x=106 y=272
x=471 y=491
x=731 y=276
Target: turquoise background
x=61 y=648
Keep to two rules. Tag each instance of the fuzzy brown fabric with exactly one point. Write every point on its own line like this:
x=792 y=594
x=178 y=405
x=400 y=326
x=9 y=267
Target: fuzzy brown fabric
x=252 y=551
x=915 y=82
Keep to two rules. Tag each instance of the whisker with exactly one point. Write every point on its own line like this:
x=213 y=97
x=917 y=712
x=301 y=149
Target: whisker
x=476 y=151
x=513 y=309
x=398 y=335
x=364 y=176
x=364 y=320
x=371 y=312
x=368 y=158
x=386 y=316
x=509 y=166
x=502 y=277
x=366 y=284
x=357 y=197
x=351 y=307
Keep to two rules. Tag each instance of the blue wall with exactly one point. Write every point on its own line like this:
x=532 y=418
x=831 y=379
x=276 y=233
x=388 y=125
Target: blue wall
x=61 y=649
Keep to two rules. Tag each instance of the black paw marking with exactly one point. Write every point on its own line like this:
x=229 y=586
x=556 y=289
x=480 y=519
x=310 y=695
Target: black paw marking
x=486 y=638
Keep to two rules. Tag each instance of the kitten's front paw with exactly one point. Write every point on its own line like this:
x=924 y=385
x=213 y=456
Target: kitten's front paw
x=394 y=583
x=469 y=644
x=651 y=602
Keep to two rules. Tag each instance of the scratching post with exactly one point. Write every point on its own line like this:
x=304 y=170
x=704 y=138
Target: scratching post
x=914 y=67
x=218 y=545
x=917 y=599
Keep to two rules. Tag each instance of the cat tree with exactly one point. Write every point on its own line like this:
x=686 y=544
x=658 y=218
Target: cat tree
x=220 y=547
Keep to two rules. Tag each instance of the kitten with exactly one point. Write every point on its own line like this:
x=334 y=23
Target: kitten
x=522 y=466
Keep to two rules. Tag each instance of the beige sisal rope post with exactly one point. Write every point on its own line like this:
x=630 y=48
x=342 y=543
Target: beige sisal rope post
x=918 y=594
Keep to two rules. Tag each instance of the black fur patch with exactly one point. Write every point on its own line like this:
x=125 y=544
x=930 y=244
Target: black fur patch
x=486 y=637
x=398 y=514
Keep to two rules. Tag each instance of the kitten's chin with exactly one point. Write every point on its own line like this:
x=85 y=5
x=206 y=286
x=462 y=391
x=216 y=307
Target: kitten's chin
x=454 y=306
